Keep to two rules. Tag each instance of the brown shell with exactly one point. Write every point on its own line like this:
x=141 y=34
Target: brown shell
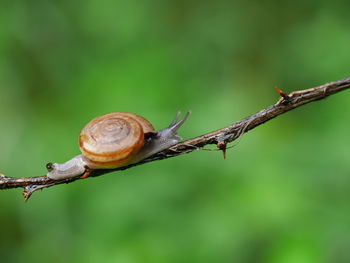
x=112 y=140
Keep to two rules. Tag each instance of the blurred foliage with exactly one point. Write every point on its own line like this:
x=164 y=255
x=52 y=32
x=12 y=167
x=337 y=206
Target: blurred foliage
x=282 y=194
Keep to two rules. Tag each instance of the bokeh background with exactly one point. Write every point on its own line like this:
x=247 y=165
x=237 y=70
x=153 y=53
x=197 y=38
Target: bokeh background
x=282 y=195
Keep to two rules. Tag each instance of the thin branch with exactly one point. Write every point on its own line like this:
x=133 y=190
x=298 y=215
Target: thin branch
x=219 y=137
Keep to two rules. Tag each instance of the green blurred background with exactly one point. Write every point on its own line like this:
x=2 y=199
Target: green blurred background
x=282 y=194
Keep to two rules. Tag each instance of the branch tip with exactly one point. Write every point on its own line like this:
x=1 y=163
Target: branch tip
x=25 y=194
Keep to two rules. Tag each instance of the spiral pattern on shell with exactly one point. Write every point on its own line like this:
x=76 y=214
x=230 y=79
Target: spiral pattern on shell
x=113 y=139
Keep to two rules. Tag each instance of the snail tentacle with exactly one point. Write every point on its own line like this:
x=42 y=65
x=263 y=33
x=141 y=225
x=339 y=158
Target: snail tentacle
x=164 y=138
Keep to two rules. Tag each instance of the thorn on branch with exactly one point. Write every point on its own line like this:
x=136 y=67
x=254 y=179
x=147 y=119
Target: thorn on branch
x=285 y=98
x=222 y=145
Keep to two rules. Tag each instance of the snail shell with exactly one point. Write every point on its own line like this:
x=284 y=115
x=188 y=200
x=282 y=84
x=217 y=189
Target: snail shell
x=113 y=139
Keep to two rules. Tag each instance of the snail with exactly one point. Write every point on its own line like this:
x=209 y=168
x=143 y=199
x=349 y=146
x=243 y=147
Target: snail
x=114 y=140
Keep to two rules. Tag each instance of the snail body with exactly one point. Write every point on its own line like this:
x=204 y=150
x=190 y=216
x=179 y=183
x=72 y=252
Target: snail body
x=114 y=140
